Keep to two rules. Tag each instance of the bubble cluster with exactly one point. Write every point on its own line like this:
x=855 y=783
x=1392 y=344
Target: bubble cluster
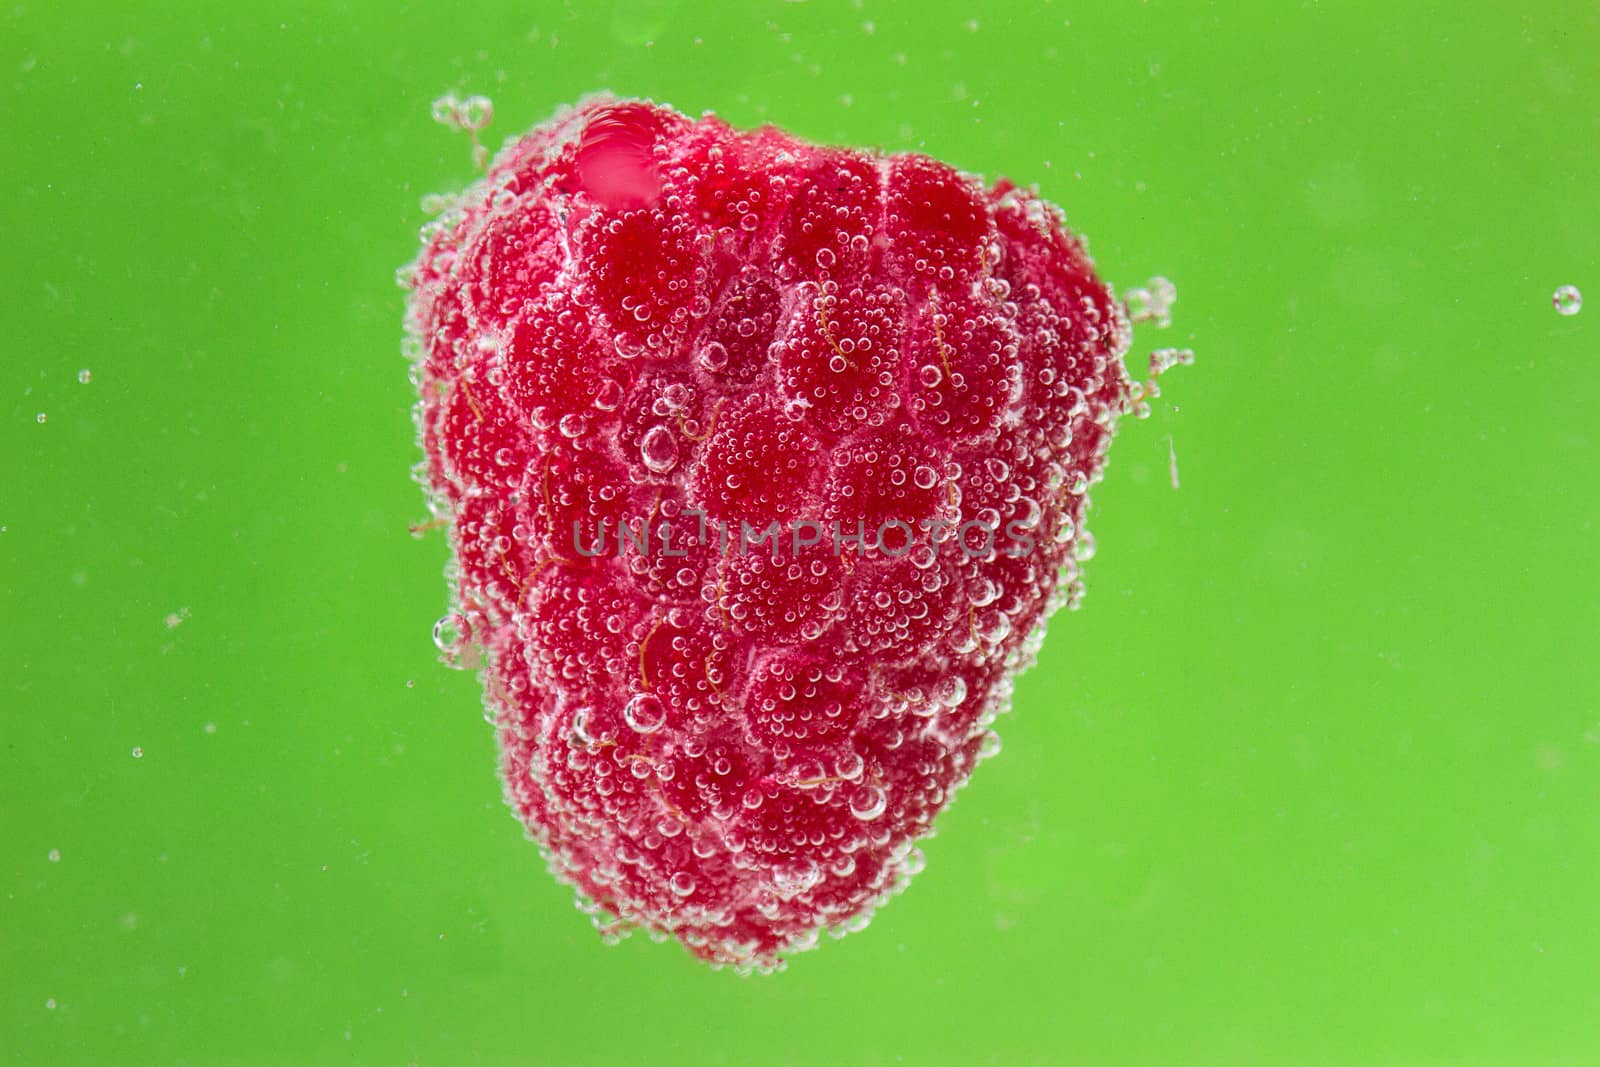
x=473 y=113
x=469 y=116
x=640 y=332
x=1151 y=302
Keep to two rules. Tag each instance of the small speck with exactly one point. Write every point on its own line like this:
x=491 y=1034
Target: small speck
x=54 y=855
x=41 y=417
x=50 y=1005
x=1567 y=301
x=211 y=727
x=138 y=752
x=84 y=377
x=411 y=683
x=176 y=618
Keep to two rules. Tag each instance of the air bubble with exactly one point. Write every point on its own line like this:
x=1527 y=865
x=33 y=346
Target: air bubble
x=682 y=884
x=580 y=725
x=609 y=396
x=950 y=691
x=451 y=632
x=1567 y=300
x=54 y=855
x=138 y=752
x=790 y=882
x=659 y=450
x=41 y=417
x=84 y=377
x=645 y=713
x=714 y=356
x=930 y=376
x=867 y=802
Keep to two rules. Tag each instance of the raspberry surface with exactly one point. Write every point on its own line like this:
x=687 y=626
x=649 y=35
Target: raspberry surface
x=637 y=322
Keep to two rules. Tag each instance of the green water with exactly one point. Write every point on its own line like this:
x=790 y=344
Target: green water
x=1313 y=779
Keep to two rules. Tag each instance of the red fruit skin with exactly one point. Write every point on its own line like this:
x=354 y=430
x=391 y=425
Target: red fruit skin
x=740 y=751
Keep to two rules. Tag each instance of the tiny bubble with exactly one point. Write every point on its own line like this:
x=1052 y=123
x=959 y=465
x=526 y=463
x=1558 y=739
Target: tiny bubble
x=41 y=417
x=55 y=855
x=50 y=1005
x=138 y=752
x=84 y=376
x=211 y=727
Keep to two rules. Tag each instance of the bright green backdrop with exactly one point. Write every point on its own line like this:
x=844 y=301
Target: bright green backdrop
x=1314 y=778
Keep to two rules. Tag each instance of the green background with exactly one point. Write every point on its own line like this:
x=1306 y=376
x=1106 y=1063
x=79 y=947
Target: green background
x=1314 y=777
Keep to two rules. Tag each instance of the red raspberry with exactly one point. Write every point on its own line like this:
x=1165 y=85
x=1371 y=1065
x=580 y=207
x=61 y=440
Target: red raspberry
x=639 y=322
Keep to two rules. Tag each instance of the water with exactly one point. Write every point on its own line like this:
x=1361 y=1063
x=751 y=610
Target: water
x=1321 y=744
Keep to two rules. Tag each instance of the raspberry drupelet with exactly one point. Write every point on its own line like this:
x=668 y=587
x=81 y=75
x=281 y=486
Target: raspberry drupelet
x=643 y=341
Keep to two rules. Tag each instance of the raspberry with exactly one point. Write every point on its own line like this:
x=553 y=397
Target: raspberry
x=764 y=466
